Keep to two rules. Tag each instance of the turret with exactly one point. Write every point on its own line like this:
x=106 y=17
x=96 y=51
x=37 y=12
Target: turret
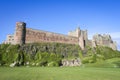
x=20 y=33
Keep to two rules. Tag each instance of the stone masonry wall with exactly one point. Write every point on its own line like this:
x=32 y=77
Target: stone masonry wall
x=24 y=35
x=36 y=36
x=20 y=33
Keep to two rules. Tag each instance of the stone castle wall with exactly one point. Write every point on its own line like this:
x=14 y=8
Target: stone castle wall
x=20 y=33
x=24 y=35
x=27 y=35
x=36 y=36
x=81 y=35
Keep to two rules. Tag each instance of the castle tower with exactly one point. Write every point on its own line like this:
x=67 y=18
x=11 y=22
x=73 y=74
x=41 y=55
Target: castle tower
x=20 y=33
x=81 y=35
x=83 y=38
x=78 y=32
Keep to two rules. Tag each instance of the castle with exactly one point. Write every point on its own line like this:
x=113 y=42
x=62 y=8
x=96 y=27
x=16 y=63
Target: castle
x=25 y=35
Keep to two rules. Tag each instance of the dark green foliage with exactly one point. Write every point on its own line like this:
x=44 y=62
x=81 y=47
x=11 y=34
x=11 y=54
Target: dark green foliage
x=44 y=59
x=9 y=53
x=91 y=56
x=66 y=50
x=53 y=63
x=43 y=63
x=90 y=59
x=21 y=58
x=40 y=54
x=51 y=54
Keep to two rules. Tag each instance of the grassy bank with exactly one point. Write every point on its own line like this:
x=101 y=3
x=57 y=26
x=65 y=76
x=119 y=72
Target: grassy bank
x=59 y=73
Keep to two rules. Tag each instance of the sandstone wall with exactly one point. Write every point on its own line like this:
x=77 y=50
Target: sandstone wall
x=37 y=36
x=27 y=35
x=20 y=33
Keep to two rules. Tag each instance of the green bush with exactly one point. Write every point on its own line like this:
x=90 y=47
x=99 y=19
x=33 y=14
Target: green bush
x=43 y=63
x=53 y=64
x=43 y=54
x=38 y=57
x=86 y=60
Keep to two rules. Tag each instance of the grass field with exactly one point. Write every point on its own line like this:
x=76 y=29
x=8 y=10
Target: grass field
x=59 y=73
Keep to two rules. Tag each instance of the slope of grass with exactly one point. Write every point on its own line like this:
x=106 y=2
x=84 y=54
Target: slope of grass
x=109 y=63
x=59 y=73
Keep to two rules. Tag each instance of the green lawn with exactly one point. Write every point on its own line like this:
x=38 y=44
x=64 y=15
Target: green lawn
x=59 y=73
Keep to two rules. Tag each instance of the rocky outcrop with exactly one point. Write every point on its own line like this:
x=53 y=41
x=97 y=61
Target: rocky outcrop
x=71 y=62
x=104 y=40
x=13 y=64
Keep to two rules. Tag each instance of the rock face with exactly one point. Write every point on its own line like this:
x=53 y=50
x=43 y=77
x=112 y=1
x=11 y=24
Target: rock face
x=13 y=64
x=72 y=62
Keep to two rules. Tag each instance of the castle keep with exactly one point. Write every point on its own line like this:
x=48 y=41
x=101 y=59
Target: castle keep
x=25 y=35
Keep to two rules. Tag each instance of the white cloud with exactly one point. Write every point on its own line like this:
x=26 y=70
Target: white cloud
x=116 y=37
x=118 y=42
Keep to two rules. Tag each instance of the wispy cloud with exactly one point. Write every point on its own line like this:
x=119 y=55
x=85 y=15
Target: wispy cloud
x=115 y=35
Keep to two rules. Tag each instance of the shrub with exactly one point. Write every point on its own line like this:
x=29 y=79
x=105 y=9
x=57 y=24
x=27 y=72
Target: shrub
x=43 y=63
x=53 y=64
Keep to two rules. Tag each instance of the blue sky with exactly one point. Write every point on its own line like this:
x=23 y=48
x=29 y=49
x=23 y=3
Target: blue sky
x=61 y=16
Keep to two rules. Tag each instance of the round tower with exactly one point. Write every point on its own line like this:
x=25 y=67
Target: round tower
x=20 y=33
